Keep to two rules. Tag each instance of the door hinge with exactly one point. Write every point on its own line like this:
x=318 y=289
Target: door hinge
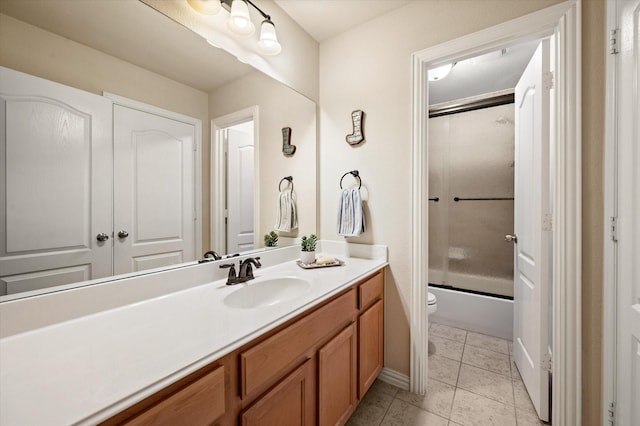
x=612 y=413
x=545 y=362
x=614 y=229
x=547 y=222
x=613 y=41
x=547 y=80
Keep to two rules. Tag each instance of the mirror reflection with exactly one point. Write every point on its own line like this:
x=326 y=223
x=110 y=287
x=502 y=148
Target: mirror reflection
x=173 y=193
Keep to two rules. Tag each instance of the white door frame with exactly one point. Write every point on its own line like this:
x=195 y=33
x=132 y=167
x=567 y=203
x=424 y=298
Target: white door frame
x=563 y=21
x=151 y=109
x=218 y=190
x=614 y=287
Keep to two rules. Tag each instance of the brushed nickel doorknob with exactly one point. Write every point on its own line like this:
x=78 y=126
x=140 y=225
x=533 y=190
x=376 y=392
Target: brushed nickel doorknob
x=102 y=237
x=511 y=238
x=123 y=234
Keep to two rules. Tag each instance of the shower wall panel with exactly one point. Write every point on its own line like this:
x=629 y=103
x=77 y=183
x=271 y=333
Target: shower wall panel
x=471 y=155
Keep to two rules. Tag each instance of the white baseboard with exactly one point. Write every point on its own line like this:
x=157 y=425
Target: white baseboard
x=392 y=377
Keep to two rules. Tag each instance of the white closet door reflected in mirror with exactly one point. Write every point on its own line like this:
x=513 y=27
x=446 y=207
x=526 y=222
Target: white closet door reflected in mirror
x=90 y=189
x=55 y=148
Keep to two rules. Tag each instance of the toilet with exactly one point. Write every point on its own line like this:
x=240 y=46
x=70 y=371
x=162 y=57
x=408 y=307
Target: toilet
x=432 y=304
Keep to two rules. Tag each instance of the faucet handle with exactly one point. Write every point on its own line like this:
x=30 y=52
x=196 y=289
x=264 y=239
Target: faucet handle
x=232 y=271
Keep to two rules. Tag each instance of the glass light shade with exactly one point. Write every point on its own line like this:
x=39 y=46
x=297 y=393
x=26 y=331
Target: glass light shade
x=207 y=7
x=439 y=73
x=268 y=43
x=239 y=21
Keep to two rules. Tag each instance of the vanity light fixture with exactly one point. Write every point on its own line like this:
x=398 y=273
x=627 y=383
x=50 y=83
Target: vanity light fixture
x=239 y=22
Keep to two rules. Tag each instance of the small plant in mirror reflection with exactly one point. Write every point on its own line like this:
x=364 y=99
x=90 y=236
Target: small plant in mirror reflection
x=309 y=244
x=271 y=239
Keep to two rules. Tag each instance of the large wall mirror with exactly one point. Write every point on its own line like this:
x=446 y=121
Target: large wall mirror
x=129 y=49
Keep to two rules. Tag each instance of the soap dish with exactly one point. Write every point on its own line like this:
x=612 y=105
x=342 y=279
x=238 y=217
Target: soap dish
x=314 y=265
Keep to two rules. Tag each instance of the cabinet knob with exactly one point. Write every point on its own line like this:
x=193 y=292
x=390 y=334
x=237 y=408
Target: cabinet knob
x=102 y=237
x=123 y=234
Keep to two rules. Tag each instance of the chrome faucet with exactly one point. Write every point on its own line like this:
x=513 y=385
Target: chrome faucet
x=245 y=270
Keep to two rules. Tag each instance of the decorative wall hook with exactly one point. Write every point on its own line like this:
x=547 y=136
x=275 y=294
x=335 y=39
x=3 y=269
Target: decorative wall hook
x=287 y=148
x=357 y=117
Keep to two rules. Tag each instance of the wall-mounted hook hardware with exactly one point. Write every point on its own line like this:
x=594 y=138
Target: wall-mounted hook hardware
x=287 y=178
x=355 y=174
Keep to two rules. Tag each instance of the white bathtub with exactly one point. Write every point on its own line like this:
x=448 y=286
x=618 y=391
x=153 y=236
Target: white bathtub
x=474 y=312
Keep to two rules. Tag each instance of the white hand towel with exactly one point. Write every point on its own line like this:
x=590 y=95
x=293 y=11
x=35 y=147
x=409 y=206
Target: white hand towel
x=286 y=215
x=350 y=213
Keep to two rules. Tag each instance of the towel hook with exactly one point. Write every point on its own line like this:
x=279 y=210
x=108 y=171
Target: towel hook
x=287 y=178
x=355 y=174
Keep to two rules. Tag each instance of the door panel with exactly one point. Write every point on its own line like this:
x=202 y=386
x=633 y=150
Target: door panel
x=154 y=190
x=240 y=179
x=628 y=200
x=55 y=148
x=531 y=340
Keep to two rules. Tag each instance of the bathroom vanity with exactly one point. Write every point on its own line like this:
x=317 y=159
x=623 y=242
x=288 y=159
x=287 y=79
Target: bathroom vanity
x=176 y=349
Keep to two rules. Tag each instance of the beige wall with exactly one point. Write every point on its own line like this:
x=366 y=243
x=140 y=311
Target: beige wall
x=593 y=114
x=369 y=68
x=279 y=106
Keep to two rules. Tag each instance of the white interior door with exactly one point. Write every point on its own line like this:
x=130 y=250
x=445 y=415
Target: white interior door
x=55 y=187
x=154 y=190
x=628 y=199
x=240 y=232
x=531 y=286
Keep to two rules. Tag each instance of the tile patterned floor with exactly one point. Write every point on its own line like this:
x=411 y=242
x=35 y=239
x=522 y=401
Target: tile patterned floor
x=472 y=381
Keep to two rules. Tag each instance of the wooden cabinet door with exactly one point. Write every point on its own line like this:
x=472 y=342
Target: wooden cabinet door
x=337 y=375
x=290 y=403
x=370 y=346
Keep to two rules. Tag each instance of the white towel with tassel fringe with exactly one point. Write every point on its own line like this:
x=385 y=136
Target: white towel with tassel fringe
x=350 y=213
x=286 y=216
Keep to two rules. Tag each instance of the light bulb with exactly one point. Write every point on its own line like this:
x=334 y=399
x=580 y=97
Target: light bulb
x=268 y=43
x=239 y=21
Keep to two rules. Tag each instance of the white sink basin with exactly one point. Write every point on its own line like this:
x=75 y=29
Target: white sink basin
x=267 y=292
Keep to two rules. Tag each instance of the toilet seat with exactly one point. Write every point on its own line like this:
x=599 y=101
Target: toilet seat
x=432 y=303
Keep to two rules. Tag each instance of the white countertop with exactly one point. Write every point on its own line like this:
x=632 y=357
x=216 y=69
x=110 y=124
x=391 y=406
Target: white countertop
x=85 y=369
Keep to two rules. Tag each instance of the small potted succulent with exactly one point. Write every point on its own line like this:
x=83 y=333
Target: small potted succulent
x=271 y=239
x=308 y=249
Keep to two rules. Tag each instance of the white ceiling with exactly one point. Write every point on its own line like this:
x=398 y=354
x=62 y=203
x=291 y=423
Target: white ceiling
x=323 y=19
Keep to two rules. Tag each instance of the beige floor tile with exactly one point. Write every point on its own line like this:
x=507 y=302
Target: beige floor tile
x=438 y=399
x=486 y=383
x=454 y=424
x=444 y=369
x=488 y=342
x=515 y=374
x=474 y=410
x=447 y=332
x=384 y=387
x=446 y=347
x=402 y=413
x=521 y=396
x=525 y=418
x=371 y=409
x=489 y=360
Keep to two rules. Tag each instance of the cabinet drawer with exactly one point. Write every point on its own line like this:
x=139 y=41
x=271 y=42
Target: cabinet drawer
x=371 y=290
x=269 y=359
x=199 y=403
